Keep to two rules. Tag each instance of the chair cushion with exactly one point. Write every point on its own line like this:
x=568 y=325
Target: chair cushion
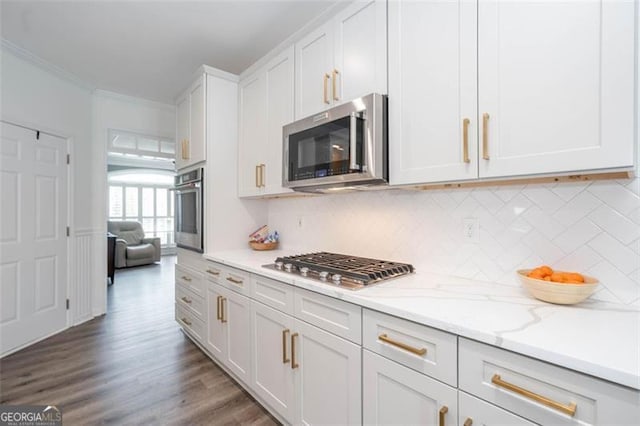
x=132 y=237
x=142 y=251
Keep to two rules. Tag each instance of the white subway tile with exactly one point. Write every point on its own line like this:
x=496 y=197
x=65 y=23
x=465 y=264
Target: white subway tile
x=543 y=222
x=615 y=253
x=615 y=224
x=622 y=287
x=577 y=208
x=577 y=235
x=544 y=198
x=616 y=196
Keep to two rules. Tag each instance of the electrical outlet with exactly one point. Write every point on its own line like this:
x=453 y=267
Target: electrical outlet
x=471 y=230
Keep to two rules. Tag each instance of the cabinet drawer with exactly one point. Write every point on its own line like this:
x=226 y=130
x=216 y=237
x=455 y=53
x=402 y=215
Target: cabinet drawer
x=336 y=316
x=483 y=413
x=190 y=279
x=190 y=323
x=213 y=272
x=187 y=299
x=424 y=349
x=237 y=280
x=272 y=293
x=541 y=392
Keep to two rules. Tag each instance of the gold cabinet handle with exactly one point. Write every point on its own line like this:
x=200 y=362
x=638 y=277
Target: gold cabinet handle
x=223 y=319
x=186 y=299
x=218 y=316
x=485 y=136
x=257 y=175
x=325 y=80
x=187 y=279
x=468 y=422
x=334 y=78
x=185 y=149
x=186 y=321
x=401 y=345
x=262 y=168
x=284 y=346
x=294 y=364
x=465 y=140
x=212 y=272
x=566 y=409
x=233 y=280
x=443 y=412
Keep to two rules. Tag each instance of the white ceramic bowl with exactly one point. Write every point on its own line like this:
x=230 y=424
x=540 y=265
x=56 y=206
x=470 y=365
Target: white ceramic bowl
x=560 y=293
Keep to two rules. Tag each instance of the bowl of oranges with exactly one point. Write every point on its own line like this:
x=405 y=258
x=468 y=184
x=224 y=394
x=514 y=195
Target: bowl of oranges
x=564 y=288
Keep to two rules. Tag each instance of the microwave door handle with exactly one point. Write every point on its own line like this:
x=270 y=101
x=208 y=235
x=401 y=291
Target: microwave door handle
x=353 y=146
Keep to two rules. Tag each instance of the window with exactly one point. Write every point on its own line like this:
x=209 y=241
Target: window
x=141 y=146
x=144 y=196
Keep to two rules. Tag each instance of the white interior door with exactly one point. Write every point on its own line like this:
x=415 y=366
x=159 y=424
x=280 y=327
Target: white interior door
x=33 y=246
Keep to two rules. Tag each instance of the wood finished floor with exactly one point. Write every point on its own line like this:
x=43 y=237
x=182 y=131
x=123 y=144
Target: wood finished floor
x=131 y=366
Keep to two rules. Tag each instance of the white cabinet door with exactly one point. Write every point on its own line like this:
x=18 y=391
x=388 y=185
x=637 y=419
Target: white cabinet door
x=394 y=394
x=236 y=317
x=216 y=341
x=314 y=63
x=252 y=133
x=556 y=80
x=360 y=55
x=482 y=413
x=432 y=91
x=198 y=119
x=279 y=94
x=182 y=130
x=328 y=374
x=272 y=376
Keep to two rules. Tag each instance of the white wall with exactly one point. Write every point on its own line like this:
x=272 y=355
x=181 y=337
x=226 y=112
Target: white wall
x=46 y=99
x=592 y=228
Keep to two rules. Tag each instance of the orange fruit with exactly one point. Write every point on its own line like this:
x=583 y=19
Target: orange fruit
x=547 y=270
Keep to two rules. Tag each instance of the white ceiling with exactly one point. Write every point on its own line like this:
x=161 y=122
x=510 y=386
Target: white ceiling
x=150 y=49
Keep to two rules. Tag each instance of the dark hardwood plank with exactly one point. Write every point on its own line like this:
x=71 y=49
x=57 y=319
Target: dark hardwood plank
x=131 y=366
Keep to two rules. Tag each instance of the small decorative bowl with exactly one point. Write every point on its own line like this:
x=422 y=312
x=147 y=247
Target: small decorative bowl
x=263 y=246
x=559 y=293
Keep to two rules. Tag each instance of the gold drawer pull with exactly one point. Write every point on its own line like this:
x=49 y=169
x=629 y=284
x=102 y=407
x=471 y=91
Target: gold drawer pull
x=186 y=299
x=218 y=316
x=212 y=272
x=284 y=346
x=294 y=364
x=233 y=280
x=334 y=78
x=443 y=411
x=468 y=422
x=187 y=279
x=257 y=175
x=222 y=317
x=566 y=409
x=401 y=345
x=186 y=321
x=465 y=140
x=485 y=136
x=325 y=80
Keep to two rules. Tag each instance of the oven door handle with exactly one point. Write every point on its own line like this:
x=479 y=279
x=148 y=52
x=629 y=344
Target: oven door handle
x=353 y=143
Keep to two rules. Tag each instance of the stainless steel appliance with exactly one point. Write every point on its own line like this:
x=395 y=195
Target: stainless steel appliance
x=345 y=146
x=342 y=270
x=188 y=209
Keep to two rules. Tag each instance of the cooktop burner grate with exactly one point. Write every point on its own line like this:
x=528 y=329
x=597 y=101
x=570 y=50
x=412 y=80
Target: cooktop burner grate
x=339 y=269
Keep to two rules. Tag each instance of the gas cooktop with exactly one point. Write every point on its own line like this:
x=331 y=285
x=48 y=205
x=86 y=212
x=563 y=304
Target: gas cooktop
x=350 y=272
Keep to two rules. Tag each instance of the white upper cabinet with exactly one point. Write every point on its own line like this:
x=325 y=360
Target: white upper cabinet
x=191 y=113
x=342 y=60
x=266 y=104
x=554 y=88
x=432 y=91
x=557 y=82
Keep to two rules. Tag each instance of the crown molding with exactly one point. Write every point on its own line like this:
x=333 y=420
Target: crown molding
x=101 y=93
x=45 y=65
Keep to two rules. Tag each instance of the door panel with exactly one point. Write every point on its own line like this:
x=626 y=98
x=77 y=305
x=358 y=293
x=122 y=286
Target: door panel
x=252 y=108
x=432 y=89
x=314 y=59
x=216 y=333
x=236 y=313
x=554 y=78
x=33 y=238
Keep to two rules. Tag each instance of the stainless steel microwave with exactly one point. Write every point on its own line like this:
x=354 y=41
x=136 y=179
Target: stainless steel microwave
x=343 y=147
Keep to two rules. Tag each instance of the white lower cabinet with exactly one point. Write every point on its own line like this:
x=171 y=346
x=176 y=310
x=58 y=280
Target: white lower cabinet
x=394 y=394
x=228 y=330
x=272 y=378
x=475 y=412
x=327 y=372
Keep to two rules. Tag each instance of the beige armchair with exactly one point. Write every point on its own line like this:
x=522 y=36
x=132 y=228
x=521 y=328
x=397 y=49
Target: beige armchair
x=132 y=248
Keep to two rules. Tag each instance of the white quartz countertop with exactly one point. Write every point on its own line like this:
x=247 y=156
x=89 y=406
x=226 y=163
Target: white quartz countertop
x=597 y=338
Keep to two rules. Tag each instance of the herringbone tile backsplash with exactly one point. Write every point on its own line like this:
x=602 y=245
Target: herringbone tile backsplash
x=593 y=228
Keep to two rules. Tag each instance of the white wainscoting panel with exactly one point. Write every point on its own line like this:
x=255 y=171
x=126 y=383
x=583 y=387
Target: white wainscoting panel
x=87 y=272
